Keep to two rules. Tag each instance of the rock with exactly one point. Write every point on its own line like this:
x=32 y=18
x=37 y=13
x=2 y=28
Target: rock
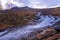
x=49 y=31
x=58 y=39
x=46 y=33
x=39 y=36
x=57 y=25
x=28 y=38
x=54 y=37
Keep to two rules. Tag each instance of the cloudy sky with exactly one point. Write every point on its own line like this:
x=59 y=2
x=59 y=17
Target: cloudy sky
x=30 y=3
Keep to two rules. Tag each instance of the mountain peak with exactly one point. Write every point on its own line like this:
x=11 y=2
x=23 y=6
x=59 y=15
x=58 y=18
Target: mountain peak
x=21 y=8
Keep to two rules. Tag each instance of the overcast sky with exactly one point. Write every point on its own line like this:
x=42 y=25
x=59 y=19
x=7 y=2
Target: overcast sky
x=31 y=3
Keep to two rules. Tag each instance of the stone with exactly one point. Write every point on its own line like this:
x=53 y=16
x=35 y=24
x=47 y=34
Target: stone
x=48 y=32
x=54 y=37
x=39 y=36
x=58 y=39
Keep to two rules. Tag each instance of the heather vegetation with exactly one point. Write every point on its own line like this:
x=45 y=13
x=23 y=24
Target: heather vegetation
x=15 y=18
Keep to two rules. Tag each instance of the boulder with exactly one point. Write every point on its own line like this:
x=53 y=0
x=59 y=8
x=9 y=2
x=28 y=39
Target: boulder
x=54 y=37
x=46 y=33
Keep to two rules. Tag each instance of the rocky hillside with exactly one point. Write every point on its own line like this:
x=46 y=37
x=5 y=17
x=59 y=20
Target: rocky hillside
x=21 y=16
x=51 y=11
x=16 y=17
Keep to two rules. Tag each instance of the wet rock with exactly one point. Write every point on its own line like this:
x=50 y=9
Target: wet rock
x=39 y=36
x=49 y=31
x=54 y=37
x=29 y=38
x=58 y=39
x=46 y=33
x=57 y=25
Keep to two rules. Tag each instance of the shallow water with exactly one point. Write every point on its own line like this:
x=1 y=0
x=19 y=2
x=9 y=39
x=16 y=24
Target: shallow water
x=16 y=33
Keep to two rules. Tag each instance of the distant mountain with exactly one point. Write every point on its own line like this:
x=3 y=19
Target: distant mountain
x=48 y=11
x=21 y=8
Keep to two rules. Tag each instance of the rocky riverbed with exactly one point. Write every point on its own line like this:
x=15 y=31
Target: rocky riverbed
x=47 y=34
x=39 y=26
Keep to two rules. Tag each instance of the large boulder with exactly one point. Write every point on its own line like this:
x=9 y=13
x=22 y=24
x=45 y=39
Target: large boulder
x=46 y=33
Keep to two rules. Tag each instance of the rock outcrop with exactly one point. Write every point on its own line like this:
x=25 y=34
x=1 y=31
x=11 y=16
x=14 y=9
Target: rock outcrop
x=47 y=34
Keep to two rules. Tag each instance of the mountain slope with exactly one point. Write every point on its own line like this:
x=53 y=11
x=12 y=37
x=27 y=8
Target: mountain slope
x=21 y=16
x=51 y=11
